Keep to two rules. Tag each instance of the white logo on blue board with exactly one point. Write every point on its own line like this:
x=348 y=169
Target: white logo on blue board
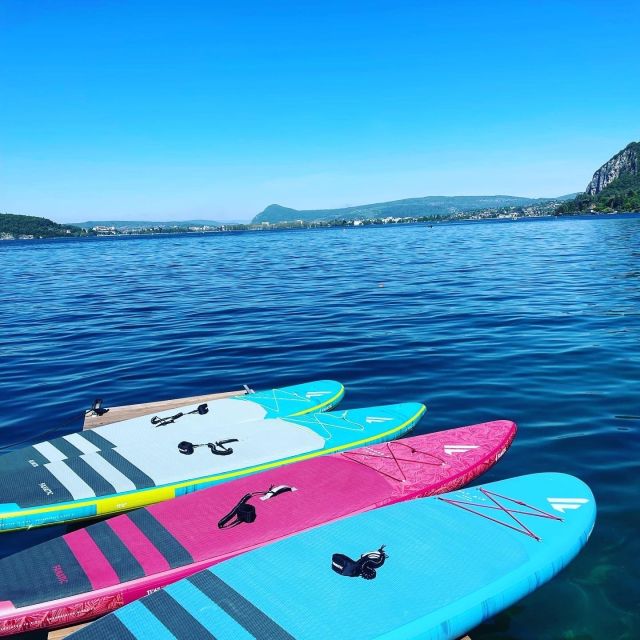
x=450 y=449
x=562 y=504
x=374 y=420
x=316 y=394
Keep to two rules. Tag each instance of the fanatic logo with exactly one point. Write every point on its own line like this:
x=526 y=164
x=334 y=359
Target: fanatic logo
x=450 y=449
x=60 y=574
x=46 y=489
x=562 y=504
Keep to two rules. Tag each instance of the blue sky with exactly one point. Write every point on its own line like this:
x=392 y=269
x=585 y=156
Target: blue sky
x=166 y=110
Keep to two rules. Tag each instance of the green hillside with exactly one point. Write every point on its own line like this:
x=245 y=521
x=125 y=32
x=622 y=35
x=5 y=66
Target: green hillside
x=17 y=225
x=410 y=207
x=623 y=194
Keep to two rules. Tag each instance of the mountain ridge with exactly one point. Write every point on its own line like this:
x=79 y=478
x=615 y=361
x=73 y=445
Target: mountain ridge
x=407 y=207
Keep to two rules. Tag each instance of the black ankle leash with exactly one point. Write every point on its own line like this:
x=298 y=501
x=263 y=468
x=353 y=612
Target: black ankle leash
x=217 y=448
x=156 y=421
x=366 y=567
x=245 y=512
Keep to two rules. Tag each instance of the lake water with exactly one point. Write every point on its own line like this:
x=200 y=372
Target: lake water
x=535 y=321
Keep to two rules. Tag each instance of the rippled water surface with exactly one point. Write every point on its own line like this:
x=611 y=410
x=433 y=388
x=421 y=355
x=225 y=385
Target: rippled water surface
x=536 y=321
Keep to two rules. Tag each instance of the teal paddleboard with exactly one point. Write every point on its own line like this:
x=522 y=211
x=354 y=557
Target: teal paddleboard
x=177 y=458
x=431 y=568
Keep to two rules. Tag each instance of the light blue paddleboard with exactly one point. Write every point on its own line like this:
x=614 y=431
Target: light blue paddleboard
x=296 y=400
x=453 y=561
x=161 y=462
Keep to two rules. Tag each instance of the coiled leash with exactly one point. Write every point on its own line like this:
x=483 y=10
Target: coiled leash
x=365 y=567
x=217 y=448
x=156 y=421
x=245 y=512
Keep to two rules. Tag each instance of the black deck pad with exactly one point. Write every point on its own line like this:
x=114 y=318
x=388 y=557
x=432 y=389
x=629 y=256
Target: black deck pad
x=45 y=572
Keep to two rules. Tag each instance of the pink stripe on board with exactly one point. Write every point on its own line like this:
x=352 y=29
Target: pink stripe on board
x=91 y=559
x=142 y=549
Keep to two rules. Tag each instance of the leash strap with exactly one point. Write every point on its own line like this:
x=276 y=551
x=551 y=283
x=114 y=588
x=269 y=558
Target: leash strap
x=366 y=567
x=245 y=512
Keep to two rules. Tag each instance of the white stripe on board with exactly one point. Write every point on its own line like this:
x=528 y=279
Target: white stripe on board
x=49 y=451
x=81 y=443
x=74 y=484
x=113 y=476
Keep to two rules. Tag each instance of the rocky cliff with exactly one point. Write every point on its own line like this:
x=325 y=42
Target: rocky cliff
x=625 y=162
x=615 y=186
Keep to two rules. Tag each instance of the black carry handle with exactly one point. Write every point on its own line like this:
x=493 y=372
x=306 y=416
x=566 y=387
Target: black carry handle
x=157 y=421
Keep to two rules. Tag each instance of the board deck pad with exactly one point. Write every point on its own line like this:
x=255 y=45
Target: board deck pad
x=452 y=562
x=319 y=395
x=153 y=470
x=120 y=560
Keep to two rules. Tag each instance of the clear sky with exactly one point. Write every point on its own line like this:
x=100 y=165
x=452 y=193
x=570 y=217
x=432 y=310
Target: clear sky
x=172 y=110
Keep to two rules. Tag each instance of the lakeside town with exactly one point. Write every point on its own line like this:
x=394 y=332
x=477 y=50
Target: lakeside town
x=546 y=209
x=614 y=188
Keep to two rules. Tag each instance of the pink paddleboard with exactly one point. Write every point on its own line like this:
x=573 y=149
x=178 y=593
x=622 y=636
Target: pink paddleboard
x=94 y=570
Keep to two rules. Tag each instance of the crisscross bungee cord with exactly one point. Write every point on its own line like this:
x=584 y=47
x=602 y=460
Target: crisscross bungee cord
x=521 y=528
x=381 y=455
x=270 y=400
x=318 y=419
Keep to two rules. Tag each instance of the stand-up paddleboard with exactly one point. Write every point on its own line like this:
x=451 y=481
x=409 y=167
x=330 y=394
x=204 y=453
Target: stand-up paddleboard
x=296 y=400
x=432 y=568
x=173 y=460
x=98 y=569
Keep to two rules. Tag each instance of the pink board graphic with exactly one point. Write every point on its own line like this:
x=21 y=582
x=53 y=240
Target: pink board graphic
x=101 y=567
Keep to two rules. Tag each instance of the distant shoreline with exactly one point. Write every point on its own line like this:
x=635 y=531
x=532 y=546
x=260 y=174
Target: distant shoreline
x=346 y=224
